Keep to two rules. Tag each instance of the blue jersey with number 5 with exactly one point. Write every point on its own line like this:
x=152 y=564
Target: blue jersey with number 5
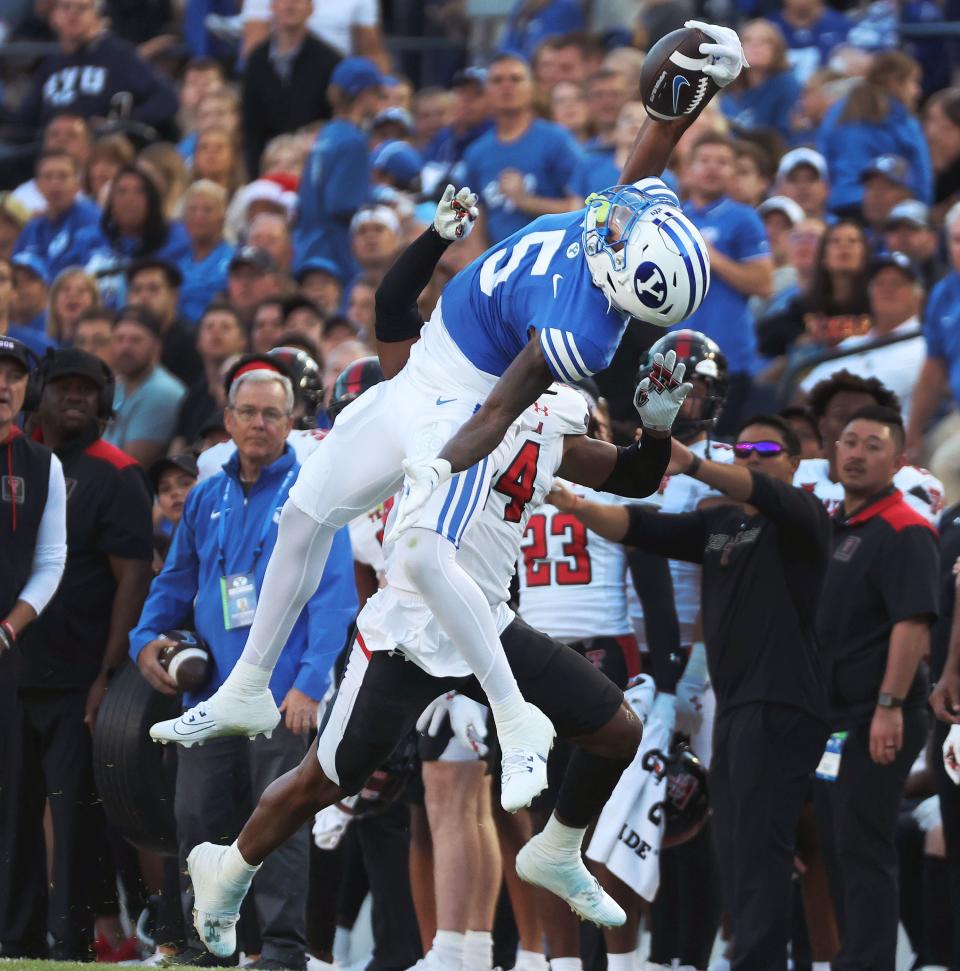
x=536 y=278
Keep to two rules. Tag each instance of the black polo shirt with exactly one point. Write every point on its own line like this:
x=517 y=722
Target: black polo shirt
x=761 y=582
x=109 y=506
x=884 y=568
x=180 y=355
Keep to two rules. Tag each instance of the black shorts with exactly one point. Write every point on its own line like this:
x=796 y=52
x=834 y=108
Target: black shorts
x=381 y=696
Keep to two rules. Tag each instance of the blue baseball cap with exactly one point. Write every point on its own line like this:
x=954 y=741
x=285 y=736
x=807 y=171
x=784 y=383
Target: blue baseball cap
x=354 y=75
x=393 y=115
x=320 y=264
x=400 y=160
x=37 y=265
x=892 y=167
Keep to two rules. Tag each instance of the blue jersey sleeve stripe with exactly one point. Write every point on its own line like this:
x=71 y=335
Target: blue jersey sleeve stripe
x=465 y=487
x=453 y=490
x=478 y=489
x=571 y=347
x=552 y=360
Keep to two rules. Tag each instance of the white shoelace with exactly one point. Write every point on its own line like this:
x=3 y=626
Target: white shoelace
x=515 y=762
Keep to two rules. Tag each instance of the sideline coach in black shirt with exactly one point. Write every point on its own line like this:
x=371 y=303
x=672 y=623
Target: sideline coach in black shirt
x=764 y=557
x=68 y=655
x=879 y=600
x=33 y=549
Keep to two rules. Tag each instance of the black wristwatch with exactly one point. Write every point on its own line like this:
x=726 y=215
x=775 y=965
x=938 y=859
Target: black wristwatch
x=888 y=701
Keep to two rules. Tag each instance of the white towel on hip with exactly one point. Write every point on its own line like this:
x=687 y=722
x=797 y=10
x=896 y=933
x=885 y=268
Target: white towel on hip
x=629 y=832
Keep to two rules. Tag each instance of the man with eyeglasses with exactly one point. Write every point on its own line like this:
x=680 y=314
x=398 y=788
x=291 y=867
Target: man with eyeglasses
x=764 y=552
x=215 y=566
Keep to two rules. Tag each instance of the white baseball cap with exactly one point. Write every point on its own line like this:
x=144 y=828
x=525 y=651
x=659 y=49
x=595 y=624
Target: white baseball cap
x=788 y=207
x=802 y=156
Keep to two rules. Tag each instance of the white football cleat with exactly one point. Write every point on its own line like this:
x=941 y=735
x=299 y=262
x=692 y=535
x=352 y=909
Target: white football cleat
x=225 y=713
x=523 y=766
x=570 y=880
x=216 y=900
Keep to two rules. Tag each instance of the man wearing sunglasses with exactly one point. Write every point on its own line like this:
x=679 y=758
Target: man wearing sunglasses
x=764 y=551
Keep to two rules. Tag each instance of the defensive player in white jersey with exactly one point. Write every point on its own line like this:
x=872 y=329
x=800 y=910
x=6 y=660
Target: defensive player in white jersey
x=832 y=403
x=550 y=302
x=382 y=694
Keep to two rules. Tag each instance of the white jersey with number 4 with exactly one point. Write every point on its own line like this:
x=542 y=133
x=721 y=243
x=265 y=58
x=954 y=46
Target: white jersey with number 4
x=573 y=582
x=396 y=617
x=921 y=489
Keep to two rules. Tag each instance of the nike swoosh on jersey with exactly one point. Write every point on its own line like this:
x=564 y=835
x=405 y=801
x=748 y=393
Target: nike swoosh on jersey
x=679 y=81
x=445 y=401
x=556 y=276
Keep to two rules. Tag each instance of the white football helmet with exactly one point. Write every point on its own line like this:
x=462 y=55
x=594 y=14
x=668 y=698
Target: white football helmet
x=644 y=253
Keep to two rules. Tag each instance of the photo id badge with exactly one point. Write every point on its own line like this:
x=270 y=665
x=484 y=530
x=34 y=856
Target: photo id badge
x=239 y=595
x=829 y=767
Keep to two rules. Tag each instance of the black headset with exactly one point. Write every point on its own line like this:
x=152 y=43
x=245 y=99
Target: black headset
x=38 y=376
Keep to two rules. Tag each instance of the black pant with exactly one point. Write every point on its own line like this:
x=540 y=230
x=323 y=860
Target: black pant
x=48 y=756
x=950 y=811
x=385 y=844
x=216 y=784
x=860 y=810
x=763 y=756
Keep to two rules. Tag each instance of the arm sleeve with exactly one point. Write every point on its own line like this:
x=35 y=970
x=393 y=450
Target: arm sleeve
x=909 y=574
x=640 y=468
x=330 y=612
x=50 y=552
x=679 y=537
x=794 y=510
x=172 y=592
x=397 y=317
x=654 y=585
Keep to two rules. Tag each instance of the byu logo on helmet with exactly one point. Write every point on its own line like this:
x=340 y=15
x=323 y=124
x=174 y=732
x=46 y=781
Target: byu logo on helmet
x=650 y=285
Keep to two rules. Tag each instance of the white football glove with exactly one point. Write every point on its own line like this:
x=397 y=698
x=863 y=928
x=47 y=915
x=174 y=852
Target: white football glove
x=468 y=720
x=727 y=57
x=660 y=396
x=927 y=814
x=951 y=754
x=639 y=694
x=422 y=480
x=456 y=213
x=331 y=823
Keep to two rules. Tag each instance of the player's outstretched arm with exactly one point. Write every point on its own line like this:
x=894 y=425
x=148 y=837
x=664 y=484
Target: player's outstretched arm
x=519 y=387
x=658 y=136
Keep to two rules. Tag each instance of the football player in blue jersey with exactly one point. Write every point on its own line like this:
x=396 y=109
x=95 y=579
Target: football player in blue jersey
x=549 y=303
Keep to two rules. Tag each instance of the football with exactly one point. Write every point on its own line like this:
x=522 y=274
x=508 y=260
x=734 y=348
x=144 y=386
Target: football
x=672 y=82
x=186 y=660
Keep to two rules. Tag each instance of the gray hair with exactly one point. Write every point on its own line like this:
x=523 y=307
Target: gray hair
x=262 y=376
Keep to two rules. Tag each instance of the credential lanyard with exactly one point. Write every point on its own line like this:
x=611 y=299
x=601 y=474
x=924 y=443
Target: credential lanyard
x=265 y=529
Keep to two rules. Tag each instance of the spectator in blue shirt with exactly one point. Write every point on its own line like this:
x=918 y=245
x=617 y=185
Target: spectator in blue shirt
x=600 y=167
x=522 y=168
x=940 y=374
x=740 y=265
x=225 y=538
x=36 y=340
x=205 y=266
x=30 y=281
x=766 y=95
x=812 y=30
x=876 y=118
x=51 y=234
x=533 y=21
x=336 y=176
x=132 y=226
x=471 y=119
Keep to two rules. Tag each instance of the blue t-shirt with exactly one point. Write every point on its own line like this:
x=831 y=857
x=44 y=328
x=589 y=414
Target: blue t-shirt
x=849 y=147
x=810 y=47
x=734 y=230
x=107 y=260
x=52 y=239
x=149 y=413
x=536 y=278
x=768 y=105
x=595 y=172
x=203 y=280
x=545 y=153
x=941 y=327
x=334 y=184
x=524 y=34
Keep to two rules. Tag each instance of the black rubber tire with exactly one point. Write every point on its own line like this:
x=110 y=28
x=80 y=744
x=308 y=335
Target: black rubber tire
x=134 y=775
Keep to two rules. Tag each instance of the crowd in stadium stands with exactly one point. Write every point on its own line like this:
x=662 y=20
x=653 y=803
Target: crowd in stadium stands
x=187 y=183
